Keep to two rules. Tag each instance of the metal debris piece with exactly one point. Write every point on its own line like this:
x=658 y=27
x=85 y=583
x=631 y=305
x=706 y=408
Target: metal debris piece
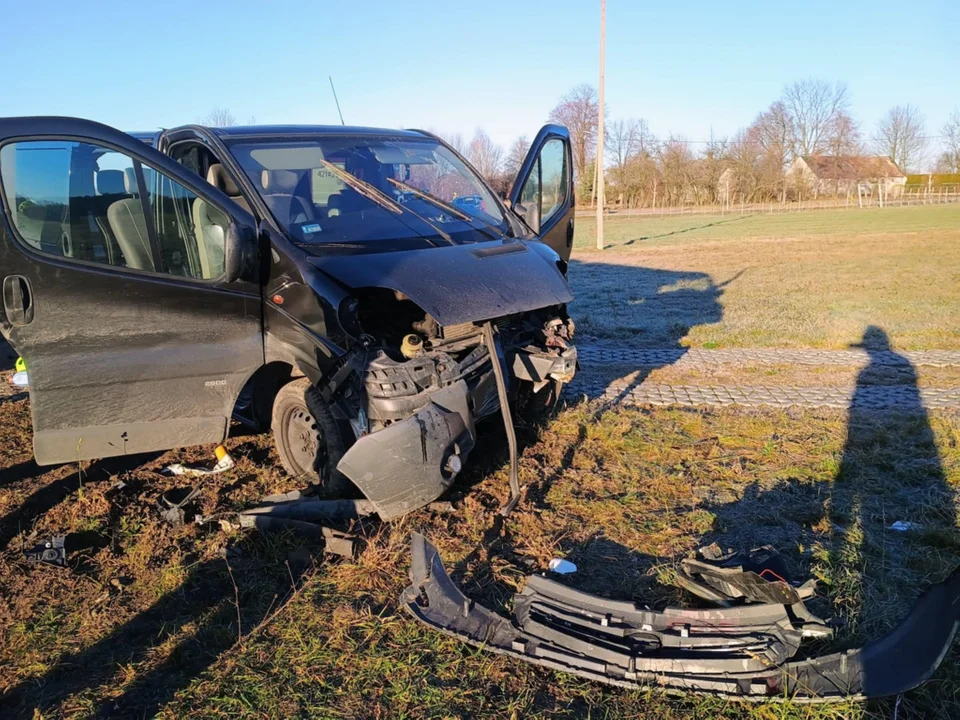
x=296 y=506
x=174 y=511
x=52 y=552
x=334 y=541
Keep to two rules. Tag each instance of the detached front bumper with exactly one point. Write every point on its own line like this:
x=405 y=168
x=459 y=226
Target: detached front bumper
x=412 y=462
x=737 y=652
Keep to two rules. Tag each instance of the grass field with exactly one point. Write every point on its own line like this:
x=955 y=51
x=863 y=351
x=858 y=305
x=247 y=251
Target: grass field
x=207 y=621
x=813 y=279
x=146 y=621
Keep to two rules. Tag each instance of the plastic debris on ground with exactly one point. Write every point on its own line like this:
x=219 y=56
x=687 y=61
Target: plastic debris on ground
x=224 y=462
x=561 y=566
x=51 y=552
x=904 y=526
x=20 y=379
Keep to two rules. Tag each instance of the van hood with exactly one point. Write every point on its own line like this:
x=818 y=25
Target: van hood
x=460 y=283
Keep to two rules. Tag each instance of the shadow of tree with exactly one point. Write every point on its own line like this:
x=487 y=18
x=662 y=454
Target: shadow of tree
x=682 y=231
x=53 y=493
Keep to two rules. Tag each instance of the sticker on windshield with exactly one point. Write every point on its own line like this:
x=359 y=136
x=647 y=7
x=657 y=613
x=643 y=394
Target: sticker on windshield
x=310 y=228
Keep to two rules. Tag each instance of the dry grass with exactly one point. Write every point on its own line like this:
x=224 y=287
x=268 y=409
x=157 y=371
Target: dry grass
x=795 y=280
x=145 y=621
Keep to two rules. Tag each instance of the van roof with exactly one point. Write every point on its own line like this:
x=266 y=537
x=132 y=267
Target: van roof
x=236 y=131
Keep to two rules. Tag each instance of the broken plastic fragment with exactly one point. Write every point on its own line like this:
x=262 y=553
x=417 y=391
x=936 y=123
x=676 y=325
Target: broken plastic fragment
x=224 y=462
x=904 y=526
x=562 y=567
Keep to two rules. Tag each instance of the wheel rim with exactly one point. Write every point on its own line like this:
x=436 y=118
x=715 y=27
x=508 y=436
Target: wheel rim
x=303 y=438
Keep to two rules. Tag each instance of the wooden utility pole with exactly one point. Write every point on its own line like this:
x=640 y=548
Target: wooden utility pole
x=600 y=131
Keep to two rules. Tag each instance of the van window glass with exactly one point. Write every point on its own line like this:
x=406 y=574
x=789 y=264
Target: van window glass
x=190 y=231
x=530 y=193
x=553 y=177
x=76 y=200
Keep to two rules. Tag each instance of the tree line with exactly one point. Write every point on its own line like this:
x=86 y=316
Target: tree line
x=811 y=117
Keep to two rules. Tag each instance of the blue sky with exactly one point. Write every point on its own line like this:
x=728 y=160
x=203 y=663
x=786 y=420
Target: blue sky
x=687 y=67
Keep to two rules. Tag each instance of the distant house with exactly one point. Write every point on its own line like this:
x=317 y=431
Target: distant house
x=816 y=175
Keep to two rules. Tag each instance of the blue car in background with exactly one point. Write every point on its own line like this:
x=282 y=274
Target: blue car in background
x=469 y=203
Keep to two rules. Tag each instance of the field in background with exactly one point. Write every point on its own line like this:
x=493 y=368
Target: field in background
x=791 y=280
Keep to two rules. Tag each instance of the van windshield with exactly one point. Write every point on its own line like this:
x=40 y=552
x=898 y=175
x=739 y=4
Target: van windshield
x=366 y=188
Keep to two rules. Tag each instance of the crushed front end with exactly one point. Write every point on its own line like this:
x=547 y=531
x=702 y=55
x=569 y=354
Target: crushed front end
x=412 y=390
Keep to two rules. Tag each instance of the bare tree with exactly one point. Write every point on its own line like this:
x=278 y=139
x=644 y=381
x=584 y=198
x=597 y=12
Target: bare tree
x=454 y=140
x=950 y=158
x=219 y=117
x=772 y=133
x=677 y=166
x=518 y=152
x=900 y=136
x=484 y=154
x=812 y=105
x=623 y=141
x=578 y=110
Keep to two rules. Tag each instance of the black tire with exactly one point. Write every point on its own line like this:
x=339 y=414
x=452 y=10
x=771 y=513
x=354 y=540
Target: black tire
x=308 y=439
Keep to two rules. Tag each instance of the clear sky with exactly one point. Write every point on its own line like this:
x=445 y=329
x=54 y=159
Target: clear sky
x=687 y=67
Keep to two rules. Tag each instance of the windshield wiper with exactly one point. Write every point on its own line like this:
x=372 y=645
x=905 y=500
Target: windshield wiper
x=444 y=205
x=378 y=196
x=364 y=188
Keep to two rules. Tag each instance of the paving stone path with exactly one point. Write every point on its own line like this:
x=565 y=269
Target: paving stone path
x=874 y=397
x=604 y=366
x=612 y=354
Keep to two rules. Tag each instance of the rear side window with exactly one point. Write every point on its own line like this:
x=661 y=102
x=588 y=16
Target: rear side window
x=65 y=199
x=86 y=202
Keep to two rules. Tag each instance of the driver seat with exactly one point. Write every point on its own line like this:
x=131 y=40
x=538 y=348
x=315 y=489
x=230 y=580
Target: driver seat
x=210 y=224
x=279 y=192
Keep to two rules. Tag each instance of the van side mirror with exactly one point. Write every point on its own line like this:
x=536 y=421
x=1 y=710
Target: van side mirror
x=530 y=215
x=240 y=251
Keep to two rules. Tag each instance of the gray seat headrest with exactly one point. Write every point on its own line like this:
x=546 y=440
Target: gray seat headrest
x=130 y=181
x=218 y=177
x=110 y=182
x=279 y=181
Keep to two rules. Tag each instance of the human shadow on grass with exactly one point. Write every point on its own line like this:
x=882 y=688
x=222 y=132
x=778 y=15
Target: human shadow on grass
x=890 y=470
x=838 y=529
x=188 y=628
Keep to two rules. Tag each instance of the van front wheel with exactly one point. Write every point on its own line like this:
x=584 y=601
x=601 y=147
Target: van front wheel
x=307 y=438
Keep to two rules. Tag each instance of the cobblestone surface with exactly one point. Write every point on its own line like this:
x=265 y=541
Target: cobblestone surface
x=611 y=354
x=870 y=397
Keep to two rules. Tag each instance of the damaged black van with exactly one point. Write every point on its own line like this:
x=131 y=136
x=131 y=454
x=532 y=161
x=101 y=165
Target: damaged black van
x=347 y=287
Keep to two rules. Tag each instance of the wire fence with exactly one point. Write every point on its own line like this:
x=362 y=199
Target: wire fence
x=906 y=197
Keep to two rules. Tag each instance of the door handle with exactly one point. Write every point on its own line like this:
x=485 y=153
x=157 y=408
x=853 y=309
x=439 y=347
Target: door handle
x=570 y=233
x=17 y=300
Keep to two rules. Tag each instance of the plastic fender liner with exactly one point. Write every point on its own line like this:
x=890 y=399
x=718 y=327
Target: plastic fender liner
x=407 y=465
x=895 y=663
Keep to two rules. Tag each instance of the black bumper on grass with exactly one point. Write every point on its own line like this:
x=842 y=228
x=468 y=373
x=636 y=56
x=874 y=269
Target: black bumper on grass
x=739 y=652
